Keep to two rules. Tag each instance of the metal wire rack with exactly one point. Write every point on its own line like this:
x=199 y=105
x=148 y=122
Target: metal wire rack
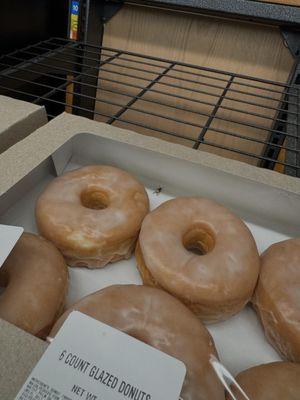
x=237 y=116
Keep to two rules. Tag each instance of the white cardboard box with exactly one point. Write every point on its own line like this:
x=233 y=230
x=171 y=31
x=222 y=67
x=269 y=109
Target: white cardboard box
x=267 y=201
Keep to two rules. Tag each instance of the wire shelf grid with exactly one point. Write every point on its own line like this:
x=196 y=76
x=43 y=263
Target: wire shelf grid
x=238 y=116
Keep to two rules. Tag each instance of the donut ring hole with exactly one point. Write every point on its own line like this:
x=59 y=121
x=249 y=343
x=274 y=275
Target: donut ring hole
x=199 y=240
x=94 y=199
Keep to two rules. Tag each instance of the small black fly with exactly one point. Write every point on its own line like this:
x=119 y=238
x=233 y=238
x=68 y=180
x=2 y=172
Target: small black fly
x=158 y=190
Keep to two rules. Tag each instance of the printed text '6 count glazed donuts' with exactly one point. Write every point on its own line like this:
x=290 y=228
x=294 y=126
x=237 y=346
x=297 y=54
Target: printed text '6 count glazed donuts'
x=160 y=320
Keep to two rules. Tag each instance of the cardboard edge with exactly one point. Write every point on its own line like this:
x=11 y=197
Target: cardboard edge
x=16 y=366
x=22 y=128
x=47 y=139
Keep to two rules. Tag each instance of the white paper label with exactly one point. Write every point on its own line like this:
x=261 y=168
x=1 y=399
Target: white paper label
x=89 y=360
x=9 y=235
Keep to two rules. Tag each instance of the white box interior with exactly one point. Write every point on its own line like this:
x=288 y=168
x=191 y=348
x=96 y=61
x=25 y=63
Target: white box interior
x=272 y=215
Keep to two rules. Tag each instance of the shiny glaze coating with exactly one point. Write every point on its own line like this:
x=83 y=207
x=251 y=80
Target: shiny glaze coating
x=277 y=297
x=274 y=381
x=35 y=278
x=93 y=214
x=158 y=319
x=215 y=285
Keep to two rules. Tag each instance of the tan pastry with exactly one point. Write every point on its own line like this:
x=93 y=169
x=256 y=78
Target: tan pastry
x=35 y=278
x=274 y=381
x=215 y=283
x=158 y=319
x=277 y=297
x=93 y=215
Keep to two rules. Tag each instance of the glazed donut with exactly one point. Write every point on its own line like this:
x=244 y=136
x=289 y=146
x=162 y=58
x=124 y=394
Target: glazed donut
x=158 y=319
x=92 y=215
x=274 y=381
x=214 y=285
x=277 y=297
x=35 y=278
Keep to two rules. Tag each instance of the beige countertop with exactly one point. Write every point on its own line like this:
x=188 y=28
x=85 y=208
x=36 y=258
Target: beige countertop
x=17 y=120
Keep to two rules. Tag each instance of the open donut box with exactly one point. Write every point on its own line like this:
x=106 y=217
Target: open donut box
x=267 y=201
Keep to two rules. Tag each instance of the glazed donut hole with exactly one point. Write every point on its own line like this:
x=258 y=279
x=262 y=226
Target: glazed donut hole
x=94 y=199
x=183 y=243
x=199 y=239
x=92 y=215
